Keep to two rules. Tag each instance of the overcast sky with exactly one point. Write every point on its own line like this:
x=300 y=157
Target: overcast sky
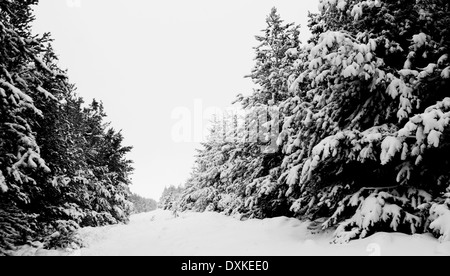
x=145 y=59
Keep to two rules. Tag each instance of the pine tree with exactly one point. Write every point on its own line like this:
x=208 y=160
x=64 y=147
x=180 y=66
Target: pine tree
x=279 y=44
x=276 y=58
x=61 y=167
x=239 y=174
x=142 y=204
x=22 y=77
x=364 y=114
x=370 y=117
x=170 y=198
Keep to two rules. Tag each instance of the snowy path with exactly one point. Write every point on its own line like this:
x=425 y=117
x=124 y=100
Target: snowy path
x=158 y=233
x=193 y=234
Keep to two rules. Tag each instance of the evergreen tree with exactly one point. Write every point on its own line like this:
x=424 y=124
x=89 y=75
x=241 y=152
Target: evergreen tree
x=363 y=110
x=142 y=204
x=276 y=61
x=239 y=175
x=170 y=197
x=22 y=76
x=278 y=45
x=371 y=124
x=61 y=167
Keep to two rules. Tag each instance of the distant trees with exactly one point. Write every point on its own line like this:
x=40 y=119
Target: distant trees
x=142 y=204
x=170 y=197
x=363 y=117
x=61 y=165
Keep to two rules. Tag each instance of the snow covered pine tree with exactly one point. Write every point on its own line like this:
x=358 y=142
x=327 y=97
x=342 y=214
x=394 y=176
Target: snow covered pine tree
x=373 y=117
x=84 y=178
x=236 y=171
x=365 y=112
x=22 y=73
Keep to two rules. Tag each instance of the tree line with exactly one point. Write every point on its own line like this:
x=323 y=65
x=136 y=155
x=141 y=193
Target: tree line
x=61 y=165
x=349 y=130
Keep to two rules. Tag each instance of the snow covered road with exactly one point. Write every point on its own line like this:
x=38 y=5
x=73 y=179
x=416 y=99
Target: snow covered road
x=158 y=233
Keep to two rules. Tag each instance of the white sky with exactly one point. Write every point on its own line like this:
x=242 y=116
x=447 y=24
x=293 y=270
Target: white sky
x=145 y=58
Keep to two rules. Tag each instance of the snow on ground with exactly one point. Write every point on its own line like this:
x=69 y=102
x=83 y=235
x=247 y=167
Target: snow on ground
x=159 y=233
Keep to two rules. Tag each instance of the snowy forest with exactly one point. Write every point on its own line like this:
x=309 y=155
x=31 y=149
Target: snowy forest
x=61 y=166
x=349 y=130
